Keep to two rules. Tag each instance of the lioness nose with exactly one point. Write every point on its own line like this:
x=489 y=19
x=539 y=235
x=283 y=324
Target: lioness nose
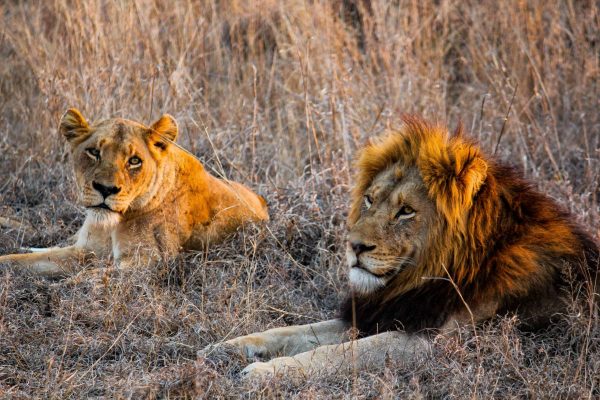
x=360 y=247
x=106 y=191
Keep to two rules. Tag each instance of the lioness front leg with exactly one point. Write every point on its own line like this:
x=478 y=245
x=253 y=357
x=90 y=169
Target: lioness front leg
x=51 y=263
x=287 y=341
x=356 y=355
x=134 y=255
x=143 y=243
x=64 y=261
x=56 y=262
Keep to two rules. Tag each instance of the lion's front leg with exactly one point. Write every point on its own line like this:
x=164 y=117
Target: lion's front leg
x=288 y=340
x=367 y=353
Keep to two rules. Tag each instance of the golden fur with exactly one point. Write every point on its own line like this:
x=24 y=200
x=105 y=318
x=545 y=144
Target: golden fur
x=505 y=246
x=145 y=197
x=439 y=234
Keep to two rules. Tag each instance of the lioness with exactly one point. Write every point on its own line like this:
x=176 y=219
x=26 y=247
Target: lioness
x=439 y=235
x=145 y=197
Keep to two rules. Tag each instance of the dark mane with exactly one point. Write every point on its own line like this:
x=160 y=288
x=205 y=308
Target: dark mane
x=515 y=248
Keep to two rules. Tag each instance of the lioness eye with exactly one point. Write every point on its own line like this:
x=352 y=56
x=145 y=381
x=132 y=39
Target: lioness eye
x=368 y=201
x=135 y=161
x=93 y=153
x=405 y=212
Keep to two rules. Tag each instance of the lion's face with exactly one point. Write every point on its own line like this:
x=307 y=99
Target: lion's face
x=414 y=190
x=392 y=229
x=117 y=162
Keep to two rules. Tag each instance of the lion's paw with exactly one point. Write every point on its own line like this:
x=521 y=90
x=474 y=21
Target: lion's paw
x=258 y=370
x=250 y=346
x=281 y=366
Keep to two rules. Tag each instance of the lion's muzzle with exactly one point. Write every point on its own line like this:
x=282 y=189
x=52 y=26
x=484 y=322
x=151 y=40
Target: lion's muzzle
x=361 y=279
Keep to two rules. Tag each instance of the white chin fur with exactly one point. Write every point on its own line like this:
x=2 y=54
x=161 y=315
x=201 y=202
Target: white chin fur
x=104 y=218
x=363 y=282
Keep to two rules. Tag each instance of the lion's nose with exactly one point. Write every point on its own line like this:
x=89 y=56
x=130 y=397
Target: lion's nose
x=106 y=191
x=360 y=247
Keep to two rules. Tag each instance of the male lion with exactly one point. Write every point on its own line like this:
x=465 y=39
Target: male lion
x=439 y=235
x=145 y=197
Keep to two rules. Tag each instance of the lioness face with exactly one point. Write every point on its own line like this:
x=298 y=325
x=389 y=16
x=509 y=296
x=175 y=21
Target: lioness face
x=391 y=232
x=117 y=163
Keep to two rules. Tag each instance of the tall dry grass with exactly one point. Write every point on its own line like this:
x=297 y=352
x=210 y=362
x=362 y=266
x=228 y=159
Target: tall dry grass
x=280 y=95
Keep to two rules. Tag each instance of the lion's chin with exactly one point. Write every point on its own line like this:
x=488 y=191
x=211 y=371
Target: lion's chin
x=363 y=282
x=103 y=217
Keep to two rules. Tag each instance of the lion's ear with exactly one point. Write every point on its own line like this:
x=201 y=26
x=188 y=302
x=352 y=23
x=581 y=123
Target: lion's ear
x=454 y=176
x=473 y=175
x=163 y=132
x=73 y=125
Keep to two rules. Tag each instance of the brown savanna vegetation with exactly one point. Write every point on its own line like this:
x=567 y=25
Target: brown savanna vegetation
x=279 y=95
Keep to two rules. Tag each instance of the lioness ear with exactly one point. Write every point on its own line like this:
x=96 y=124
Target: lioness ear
x=163 y=131
x=73 y=126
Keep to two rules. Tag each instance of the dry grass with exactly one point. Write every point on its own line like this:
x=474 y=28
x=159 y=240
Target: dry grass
x=280 y=95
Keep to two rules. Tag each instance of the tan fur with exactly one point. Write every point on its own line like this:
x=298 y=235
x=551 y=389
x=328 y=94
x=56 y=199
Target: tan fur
x=315 y=349
x=160 y=199
x=440 y=235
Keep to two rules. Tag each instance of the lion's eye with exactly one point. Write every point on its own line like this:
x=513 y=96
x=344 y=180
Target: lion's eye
x=135 y=162
x=368 y=201
x=93 y=153
x=405 y=212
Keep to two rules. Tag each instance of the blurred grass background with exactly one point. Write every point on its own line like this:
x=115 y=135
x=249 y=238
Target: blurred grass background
x=279 y=95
